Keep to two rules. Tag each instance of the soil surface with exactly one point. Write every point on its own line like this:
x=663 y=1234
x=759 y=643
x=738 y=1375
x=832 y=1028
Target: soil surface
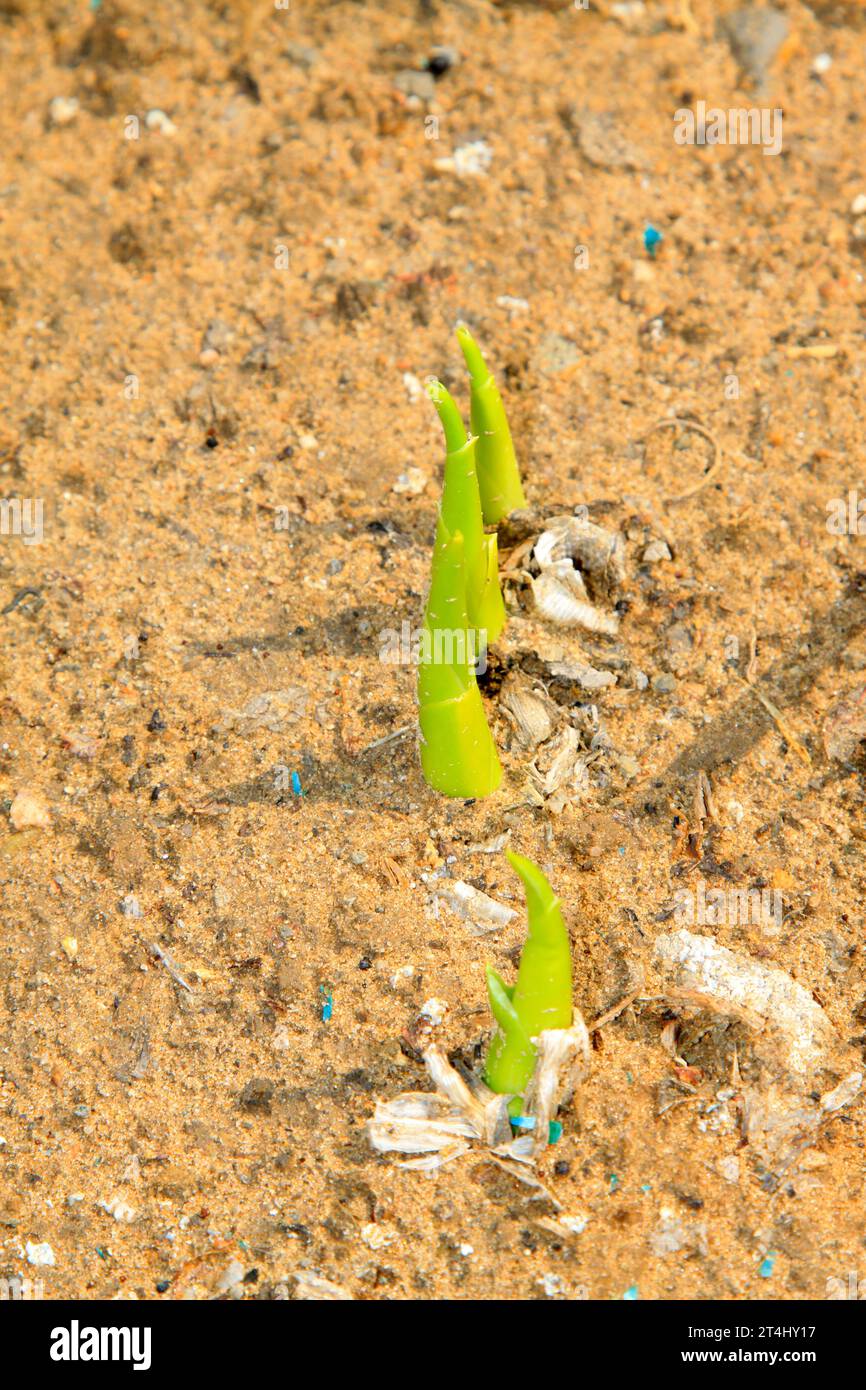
x=235 y=242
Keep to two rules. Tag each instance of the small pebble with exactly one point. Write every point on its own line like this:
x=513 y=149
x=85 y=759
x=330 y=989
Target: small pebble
x=442 y=59
x=130 y=906
x=119 y=1209
x=858 y=207
x=414 y=389
x=40 y=1255
x=468 y=161
x=29 y=812
x=822 y=63
x=555 y=353
x=412 y=482
x=63 y=110
x=434 y=1011
x=301 y=54
x=655 y=551
x=158 y=120
x=512 y=304
x=421 y=85
x=377 y=1237
x=664 y=684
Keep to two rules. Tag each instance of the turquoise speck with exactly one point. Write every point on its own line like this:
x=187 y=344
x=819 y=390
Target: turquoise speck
x=651 y=238
x=765 y=1269
x=630 y=1295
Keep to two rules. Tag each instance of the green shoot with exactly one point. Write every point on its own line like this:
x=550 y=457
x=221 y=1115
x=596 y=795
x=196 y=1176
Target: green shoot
x=496 y=462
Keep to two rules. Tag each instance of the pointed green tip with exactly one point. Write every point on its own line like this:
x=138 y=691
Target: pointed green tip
x=452 y=421
x=539 y=894
x=478 y=369
x=499 y=998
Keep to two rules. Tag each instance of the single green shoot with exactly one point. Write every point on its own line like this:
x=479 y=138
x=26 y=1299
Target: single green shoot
x=541 y=998
x=496 y=462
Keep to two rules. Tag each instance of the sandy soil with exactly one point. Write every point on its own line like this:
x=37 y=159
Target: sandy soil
x=215 y=323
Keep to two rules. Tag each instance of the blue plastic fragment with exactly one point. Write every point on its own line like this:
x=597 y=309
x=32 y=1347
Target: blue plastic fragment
x=630 y=1295
x=614 y=1182
x=328 y=1005
x=554 y=1128
x=765 y=1268
x=296 y=784
x=651 y=238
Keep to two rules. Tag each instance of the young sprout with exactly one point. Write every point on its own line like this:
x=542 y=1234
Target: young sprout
x=498 y=475
x=458 y=755
x=461 y=511
x=541 y=997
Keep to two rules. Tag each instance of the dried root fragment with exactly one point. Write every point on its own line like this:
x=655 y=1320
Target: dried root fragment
x=845 y=726
x=530 y=710
x=484 y=913
x=795 y=1042
x=561 y=598
x=563 y=1062
x=438 y=1123
x=560 y=773
x=571 y=554
x=700 y=973
x=780 y=1128
x=595 y=551
x=584 y=675
x=313 y=1288
x=440 y=1126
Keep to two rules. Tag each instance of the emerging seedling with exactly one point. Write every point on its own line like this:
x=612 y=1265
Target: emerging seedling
x=540 y=999
x=498 y=475
x=458 y=755
x=461 y=511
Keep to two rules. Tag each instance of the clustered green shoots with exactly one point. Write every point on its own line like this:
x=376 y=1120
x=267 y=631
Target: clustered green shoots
x=461 y=510
x=465 y=611
x=541 y=998
x=458 y=755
